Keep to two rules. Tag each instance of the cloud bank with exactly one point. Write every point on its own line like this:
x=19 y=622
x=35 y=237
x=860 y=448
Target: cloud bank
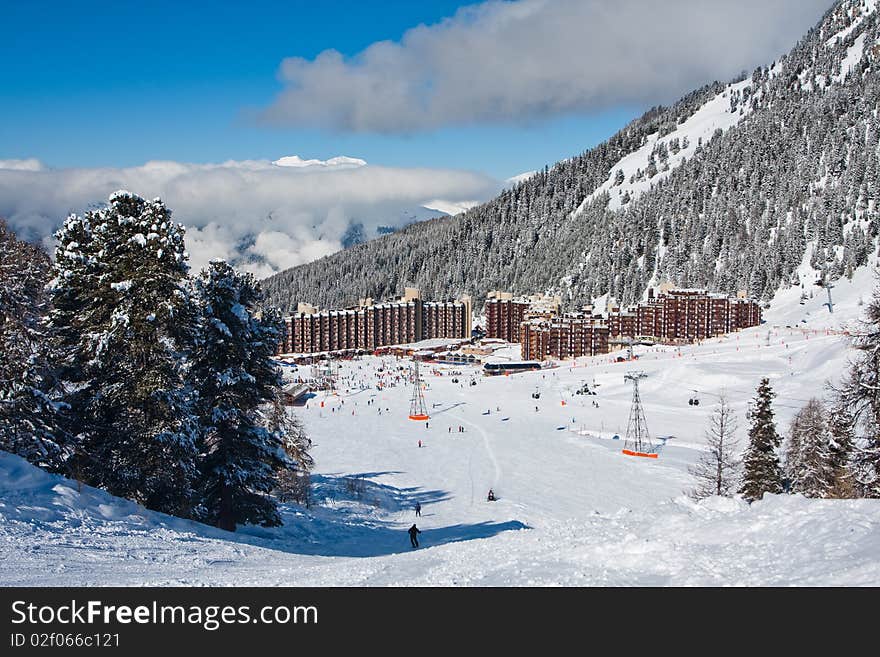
x=533 y=59
x=262 y=217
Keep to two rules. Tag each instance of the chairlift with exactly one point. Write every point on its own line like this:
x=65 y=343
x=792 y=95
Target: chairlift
x=695 y=400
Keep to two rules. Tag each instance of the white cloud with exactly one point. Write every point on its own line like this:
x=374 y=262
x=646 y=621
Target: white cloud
x=338 y=162
x=22 y=165
x=261 y=216
x=531 y=59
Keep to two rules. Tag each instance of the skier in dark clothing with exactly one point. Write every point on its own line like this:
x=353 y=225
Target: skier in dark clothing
x=413 y=532
x=418 y=509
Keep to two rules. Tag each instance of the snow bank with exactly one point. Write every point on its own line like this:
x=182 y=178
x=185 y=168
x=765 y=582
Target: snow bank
x=54 y=533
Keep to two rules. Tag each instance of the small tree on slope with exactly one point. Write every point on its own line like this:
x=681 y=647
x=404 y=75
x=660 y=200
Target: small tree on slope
x=841 y=443
x=293 y=480
x=236 y=376
x=28 y=417
x=792 y=461
x=122 y=320
x=808 y=464
x=716 y=470
x=761 y=471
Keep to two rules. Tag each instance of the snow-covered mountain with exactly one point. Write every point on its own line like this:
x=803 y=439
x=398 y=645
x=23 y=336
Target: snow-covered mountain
x=761 y=183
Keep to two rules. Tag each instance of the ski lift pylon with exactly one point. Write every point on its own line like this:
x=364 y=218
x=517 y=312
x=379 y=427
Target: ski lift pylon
x=417 y=408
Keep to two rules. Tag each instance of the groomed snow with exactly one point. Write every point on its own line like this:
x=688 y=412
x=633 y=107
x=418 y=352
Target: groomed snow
x=572 y=509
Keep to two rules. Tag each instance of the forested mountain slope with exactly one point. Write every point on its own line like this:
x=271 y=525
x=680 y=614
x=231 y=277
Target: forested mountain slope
x=731 y=188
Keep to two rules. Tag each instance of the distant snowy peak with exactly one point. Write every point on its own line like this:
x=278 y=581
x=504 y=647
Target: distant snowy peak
x=338 y=162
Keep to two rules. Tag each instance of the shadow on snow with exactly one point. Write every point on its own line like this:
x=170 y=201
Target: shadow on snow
x=354 y=516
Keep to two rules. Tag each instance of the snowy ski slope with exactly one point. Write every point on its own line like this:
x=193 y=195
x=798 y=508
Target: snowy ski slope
x=572 y=510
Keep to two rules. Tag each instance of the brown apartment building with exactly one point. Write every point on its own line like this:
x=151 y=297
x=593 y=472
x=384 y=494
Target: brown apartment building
x=563 y=337
x=505 y=314
x=676 y=315
x=672 y=316
x=370 y=326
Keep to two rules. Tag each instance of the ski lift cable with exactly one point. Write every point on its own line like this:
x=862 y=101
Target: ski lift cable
x=775 y=403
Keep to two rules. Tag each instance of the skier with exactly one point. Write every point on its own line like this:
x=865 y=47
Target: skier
x=491 y=496
x=420 y=443
x=418 y=509
x=413 y=532
x=426 y=425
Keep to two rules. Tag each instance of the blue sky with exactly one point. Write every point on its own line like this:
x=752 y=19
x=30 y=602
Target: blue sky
x=87 y=84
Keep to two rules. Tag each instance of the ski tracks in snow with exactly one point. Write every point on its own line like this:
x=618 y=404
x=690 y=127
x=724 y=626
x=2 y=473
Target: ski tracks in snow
x=489 y=451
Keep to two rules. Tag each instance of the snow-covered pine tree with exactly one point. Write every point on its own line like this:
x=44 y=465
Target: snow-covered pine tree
x=236 y=377
x=28 y=387
x=859 y=394
x=792 y=464
x=840 y=443
x=761 y=471
x=808 y=457
x=122 y=320
x=717 y=468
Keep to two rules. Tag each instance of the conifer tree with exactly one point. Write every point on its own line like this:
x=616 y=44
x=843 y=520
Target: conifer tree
x=762 y=473
x=859 y=394
x=122 y=321
x=793 y=462
x=236 y=377
x=841 y=441
x=808 y=455
x=29 y=418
